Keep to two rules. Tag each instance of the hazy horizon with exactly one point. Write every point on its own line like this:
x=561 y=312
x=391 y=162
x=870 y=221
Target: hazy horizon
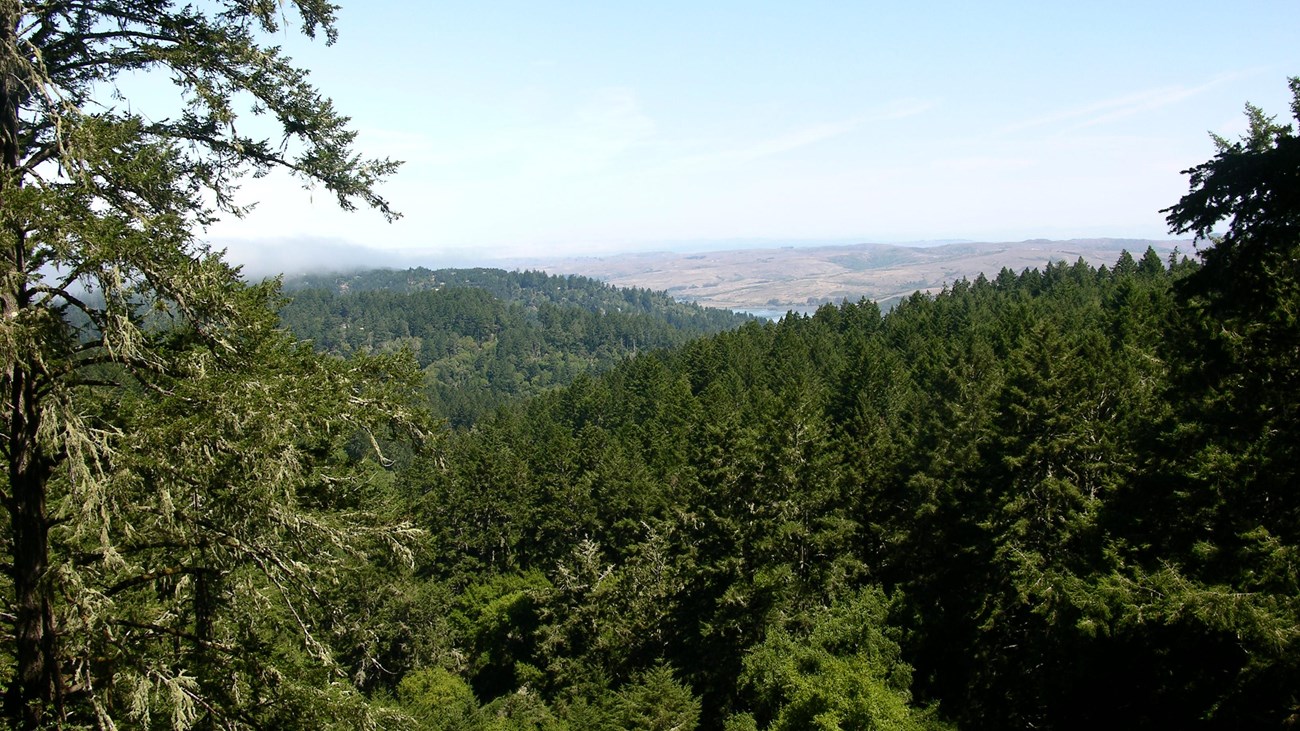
x=293 y=257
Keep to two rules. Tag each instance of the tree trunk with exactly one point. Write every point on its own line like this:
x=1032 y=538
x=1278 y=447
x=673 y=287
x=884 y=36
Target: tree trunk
x=36 y=686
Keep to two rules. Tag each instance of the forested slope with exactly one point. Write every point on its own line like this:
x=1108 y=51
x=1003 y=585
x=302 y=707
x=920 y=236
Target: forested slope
x=484 y=336
x=1053 y=499
x=531 y=289
x=1016 y=500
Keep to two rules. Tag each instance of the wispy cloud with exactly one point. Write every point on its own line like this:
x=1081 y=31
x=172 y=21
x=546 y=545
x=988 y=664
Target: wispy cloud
x=608 y=125
x=584 y=138
x=982 y=164
x=397 y=144
x=801 y=137
x=1114 y=108
x=615 y=120
x=793 y=140
x=900 y=109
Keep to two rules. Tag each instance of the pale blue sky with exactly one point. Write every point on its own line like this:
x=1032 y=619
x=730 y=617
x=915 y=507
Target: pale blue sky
x=537 y=128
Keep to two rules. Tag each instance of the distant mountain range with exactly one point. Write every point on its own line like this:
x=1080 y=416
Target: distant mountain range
x=772 y=281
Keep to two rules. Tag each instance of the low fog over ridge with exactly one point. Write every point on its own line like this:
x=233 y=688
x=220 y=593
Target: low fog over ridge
x=265 y=258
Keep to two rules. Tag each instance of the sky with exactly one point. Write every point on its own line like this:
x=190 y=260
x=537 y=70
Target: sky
x=539 y=128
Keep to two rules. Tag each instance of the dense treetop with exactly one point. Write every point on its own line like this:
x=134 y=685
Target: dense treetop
x=981 y=500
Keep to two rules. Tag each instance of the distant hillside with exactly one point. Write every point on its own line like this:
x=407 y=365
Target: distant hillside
x=484 y=336
x=774 y=280
x=532 y=288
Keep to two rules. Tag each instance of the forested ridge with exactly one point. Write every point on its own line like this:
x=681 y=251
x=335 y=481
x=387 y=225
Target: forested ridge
x=484 y=336
x=529 y=288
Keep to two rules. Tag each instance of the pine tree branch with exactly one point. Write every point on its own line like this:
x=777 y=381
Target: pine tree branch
x=152 y=576
x=172 y=632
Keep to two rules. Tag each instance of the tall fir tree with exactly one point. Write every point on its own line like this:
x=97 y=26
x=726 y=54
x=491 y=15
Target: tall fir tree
x=167 y=484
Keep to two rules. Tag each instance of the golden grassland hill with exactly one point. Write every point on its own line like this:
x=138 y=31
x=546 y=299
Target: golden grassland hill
x=774 y=280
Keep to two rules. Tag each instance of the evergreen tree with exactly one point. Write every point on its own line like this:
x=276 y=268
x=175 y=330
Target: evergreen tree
x=1227 y=500
x=168 y=485
x=841 y=670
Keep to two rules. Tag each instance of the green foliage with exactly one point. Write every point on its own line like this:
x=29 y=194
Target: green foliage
x=840 y=671
x=1076 y=485
x=439 y=700
x=656 y=701
x=1251 y=184
x=181 y=512
x=485 y=336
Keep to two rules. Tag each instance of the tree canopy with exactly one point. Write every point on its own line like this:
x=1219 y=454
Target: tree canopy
x=485 y=336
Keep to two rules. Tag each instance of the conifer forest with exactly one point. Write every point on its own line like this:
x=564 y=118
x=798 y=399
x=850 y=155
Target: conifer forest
x=1062 y=497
